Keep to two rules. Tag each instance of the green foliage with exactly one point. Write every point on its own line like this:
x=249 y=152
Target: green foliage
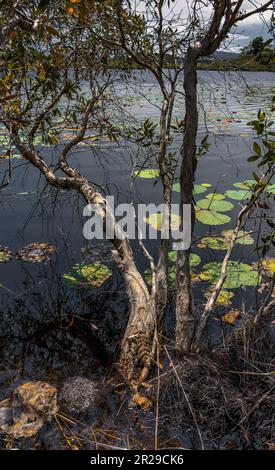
x=215 y=205
x=238 y=195
x=238 y=274
x=90 y=275
x=148 y=173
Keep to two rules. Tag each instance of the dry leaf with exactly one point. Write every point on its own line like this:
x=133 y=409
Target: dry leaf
x=144 y=402
x=231 y=316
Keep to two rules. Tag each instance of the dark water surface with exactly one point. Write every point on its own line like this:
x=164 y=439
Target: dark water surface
x=36 y=306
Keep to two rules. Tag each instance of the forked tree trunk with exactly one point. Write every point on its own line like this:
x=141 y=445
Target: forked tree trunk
x=185 y=314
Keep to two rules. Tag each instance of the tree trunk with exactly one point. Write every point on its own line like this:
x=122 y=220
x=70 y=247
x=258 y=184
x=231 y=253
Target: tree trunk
x=185 y=314
x=138 y=344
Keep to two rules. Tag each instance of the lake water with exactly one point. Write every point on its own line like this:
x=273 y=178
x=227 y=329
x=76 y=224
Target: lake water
x=35 y=301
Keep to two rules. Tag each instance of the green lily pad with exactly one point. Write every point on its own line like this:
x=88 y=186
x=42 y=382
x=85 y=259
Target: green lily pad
x=92 y=275
x=155 y=220
x=171 y=276
x=271 y=188
x=224 y=297
x=148 y=173
x=209 y=217
x=238 y=195
x=243 y=238
x=238 y=274
x=213 y=205
x=194 y=258
x=198 y=188
x=214 y=243
x=247 y=184
x=215 y=196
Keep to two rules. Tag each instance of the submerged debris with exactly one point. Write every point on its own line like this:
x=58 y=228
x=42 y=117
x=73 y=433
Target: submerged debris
x=36 y=252
x=79 y=396
x=28 y=409
x=5 y=254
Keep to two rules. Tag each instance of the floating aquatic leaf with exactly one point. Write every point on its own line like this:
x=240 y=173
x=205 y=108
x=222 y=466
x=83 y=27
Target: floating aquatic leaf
x=172 y=256
x=214 y=243
x=148 y=173
x=155 y=220
x=269 y=266
x=198 y=188
x=247 y=184
x=271 y=188
x=231 y=316
x=210 y=217
x=36 y=252
x=238 y=274
x=243 y=238
x=238 y=195
x=224 y=297
x=194 y=258
x=7 y=157
x=244 y=135
x=92 y=275
x=5 y=254
x=215 y=196
x=213 y=205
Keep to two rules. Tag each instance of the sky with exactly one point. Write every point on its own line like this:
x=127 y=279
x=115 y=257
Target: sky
x=256 y=25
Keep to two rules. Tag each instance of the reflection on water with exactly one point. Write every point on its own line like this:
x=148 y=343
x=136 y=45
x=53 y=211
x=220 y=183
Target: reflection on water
x=50 y=330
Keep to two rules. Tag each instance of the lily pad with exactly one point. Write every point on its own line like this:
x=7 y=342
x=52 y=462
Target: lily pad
x=238 y=195
x=224 y=297
x=198 y=188
x=269 y=266
x=247 y=184
x=243 y=238
x=36 y=252
x=148 y=173
x=194 y=258
x=238 y=274
x=5 y=254
x=214 y=243
x=92 y=275
x=155 y=220
x=271 y=188
x=210 y=217
x=215 y=196
x=213 y=205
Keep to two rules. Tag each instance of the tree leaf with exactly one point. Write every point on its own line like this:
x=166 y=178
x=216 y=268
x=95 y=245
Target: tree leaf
x=257 y=148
